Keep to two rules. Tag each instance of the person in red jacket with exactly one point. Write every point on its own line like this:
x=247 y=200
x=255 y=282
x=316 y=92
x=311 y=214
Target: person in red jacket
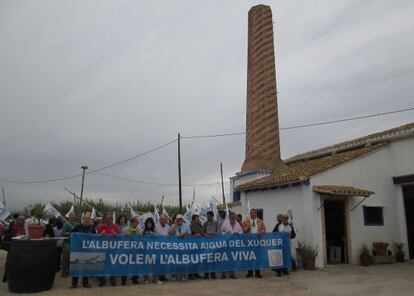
x=107 y=226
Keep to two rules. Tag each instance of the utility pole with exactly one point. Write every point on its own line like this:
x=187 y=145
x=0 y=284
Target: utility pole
x=84 y=167
x=222 y=183
x=4 y=197
x=180 y=196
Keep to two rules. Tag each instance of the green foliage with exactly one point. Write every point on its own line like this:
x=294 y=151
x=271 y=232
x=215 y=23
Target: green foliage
x=36 y=210
x=307 y=251
x=364 y=250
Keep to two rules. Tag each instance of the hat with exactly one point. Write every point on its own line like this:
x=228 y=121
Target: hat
x=179 y=216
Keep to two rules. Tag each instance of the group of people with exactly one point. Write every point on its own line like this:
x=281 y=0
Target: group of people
x=163 y=227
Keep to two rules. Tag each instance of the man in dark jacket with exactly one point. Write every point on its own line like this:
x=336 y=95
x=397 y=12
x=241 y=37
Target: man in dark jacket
x=86 y=226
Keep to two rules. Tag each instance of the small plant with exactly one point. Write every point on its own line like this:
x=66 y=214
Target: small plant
x=308 y=255
x=365 y=255
x=364 y=250
x=308 y=251
x=399 y=254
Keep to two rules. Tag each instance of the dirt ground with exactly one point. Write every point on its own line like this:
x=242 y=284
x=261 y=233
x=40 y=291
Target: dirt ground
x=392 y=279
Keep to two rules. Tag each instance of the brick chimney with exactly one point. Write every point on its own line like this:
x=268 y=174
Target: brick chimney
x=262 y=122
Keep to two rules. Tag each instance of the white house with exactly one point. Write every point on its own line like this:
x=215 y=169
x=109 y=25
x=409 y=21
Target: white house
x=341 y=196
x=360 y=191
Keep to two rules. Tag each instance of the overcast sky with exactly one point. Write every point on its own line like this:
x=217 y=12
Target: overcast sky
x=96 y=82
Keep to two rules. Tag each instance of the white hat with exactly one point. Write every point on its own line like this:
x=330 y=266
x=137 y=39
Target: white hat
x=179 y=216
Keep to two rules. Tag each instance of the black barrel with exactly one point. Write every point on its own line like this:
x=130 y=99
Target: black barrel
x=31 y=265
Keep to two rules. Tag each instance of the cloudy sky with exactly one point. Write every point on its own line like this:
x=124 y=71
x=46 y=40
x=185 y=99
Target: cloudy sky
x=96 y=82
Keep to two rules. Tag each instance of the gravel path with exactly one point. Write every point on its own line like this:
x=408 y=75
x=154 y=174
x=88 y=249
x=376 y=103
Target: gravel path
x=393 y=279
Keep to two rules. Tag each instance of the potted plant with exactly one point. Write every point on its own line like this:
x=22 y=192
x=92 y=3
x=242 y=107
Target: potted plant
x=399 y=254
x=308 y=255
x=365 y=255
x=34 y=226
x=380 y=248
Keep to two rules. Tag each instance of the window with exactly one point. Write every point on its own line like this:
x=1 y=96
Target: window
x=259 y=213
x=373 y=216
x=236 y=196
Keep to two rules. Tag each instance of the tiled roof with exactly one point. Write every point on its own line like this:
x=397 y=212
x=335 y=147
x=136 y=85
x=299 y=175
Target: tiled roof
x=377 y=137
x=229 y=205
x=341 y=190
x=303 y=170
x=303 y=166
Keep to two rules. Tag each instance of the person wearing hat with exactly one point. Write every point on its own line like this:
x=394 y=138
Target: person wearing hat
x=180 y=228
x=253 y=224
x=283 y=225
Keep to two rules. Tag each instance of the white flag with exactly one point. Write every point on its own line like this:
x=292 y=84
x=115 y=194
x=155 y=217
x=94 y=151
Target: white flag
x=156 y=214
x=4 y=212
x=248 y=209
x=113 y=217
x=72 y=209
x=203 y=214
x=227 y=213
x=49 y=209
x=133 y=214
x=93 y=214
x=188 y=215
x=165 y=213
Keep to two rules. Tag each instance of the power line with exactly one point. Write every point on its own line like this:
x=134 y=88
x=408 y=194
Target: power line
x=156 y=183
x=92 y=171
x=133 y=157
x=304 y=125
x=201 y=137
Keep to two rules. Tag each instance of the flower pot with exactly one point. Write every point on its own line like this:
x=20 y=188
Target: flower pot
x=365 y=260
x=380 y=249
x=399 y=257
x=308 y=263
x=35 y=231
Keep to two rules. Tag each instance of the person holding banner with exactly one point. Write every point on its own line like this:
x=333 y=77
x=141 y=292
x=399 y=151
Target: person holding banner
x=86 y=226
x=162 y=229
x=149 y=230
x=196 y=230
x=132 y=229
x=231 y=226
x=210 y=228
x=253 y=225
x=107 y=227
x=239 y=219
x=284 y=226
x=181 y=230
x=67 y=229
x=122 y=222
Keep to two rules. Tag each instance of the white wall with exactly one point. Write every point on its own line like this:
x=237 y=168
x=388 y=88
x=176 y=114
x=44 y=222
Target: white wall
x=374 y=172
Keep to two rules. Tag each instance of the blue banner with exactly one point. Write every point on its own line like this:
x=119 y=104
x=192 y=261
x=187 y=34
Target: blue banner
x=100 y=255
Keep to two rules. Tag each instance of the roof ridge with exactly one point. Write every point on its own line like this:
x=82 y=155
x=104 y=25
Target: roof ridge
x=350 y=143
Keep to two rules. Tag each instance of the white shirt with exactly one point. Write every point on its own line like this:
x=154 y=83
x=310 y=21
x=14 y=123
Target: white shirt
x=285 y=228
x=227 y=228
x=162 y=231
x=253 y=223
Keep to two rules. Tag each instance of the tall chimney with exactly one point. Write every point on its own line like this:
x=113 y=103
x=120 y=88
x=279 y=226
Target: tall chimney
x=262 y=122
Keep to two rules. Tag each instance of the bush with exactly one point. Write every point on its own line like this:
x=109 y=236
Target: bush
x=307 y=251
